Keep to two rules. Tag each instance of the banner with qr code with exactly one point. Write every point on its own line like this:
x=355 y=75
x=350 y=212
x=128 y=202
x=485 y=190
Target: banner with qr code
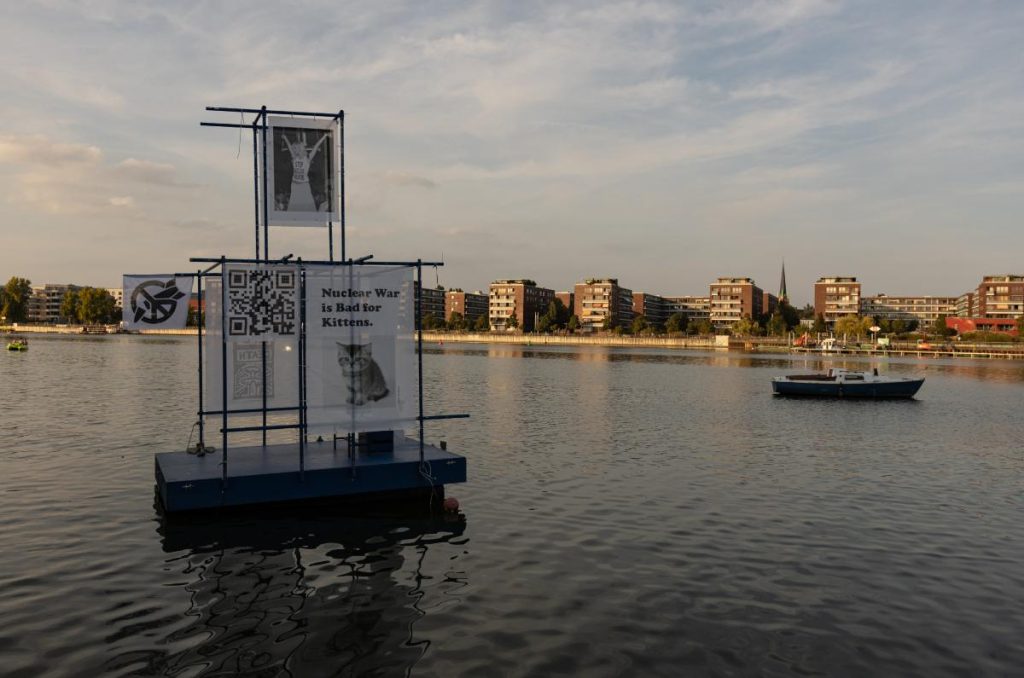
x=254 y=364
x=152 y=302
x=361 y=353
x=261 y=302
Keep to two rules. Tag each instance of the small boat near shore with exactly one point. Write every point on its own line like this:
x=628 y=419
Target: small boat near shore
x=17 y=345
x=841 y=383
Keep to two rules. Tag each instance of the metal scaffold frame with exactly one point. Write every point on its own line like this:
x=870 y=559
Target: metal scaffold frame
x=216 y=268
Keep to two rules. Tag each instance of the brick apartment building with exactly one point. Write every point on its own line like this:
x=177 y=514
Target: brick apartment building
x=522 y=298
x=733 y=298
x=599 y=299
x=1000 y=296
x=836 y=297
x=471 y=305
x=568 y=300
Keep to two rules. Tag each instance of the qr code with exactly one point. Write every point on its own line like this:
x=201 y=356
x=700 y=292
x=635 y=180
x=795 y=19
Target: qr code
x=247 y=383
x=262 y=302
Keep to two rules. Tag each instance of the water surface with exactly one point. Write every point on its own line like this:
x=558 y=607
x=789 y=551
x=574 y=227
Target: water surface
x=628 y=512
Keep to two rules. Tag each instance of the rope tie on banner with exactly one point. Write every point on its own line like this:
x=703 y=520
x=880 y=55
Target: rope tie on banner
x=241 y=120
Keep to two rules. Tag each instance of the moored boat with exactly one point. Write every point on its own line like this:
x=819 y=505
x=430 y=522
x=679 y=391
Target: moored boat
x=841 y=383
x=17 y=345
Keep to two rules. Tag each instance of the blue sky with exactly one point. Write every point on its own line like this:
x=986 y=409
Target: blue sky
x=665 y=144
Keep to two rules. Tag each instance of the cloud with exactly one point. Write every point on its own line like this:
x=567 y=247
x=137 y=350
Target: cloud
x=406 y=179
x=122 y=201
x=149 y=172
x=36 y=149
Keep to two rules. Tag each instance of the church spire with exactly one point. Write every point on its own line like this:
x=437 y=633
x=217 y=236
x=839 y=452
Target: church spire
x=783 y=294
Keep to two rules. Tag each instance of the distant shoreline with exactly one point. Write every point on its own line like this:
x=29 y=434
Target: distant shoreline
x=704 y=343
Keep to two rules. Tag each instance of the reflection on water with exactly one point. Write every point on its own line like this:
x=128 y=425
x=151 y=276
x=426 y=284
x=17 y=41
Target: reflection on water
x=297 y=591
x=1009 y=371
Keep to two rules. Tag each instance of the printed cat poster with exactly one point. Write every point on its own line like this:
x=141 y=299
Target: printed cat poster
x=361 y=373
x=303 y=179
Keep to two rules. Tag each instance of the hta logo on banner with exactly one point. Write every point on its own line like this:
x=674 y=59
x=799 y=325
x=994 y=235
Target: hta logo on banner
x=155 y=301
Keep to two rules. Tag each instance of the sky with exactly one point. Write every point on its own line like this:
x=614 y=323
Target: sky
x=665 y=144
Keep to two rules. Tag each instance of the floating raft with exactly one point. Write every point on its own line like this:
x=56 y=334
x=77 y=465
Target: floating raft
x=263 y=475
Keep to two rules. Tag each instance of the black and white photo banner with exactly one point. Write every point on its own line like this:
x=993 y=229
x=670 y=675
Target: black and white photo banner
x=303 y=157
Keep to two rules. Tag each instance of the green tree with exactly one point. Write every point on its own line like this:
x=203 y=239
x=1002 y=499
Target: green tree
x=481 y=324
x=790 y=315
x=807 y=312
x=512 y=322
x=456 y=322
x=898 y=326
x=744 y=326
x=17 y=292
x=777 y=325
x=677 y=322
x=95 y=305
x=544 y=324
x=640 y=324
x=1020 y=325
x=71 y=305
x=431 y=321
x=853 y=325
x=704 y=327
x=819 y=324
x=939 y=327
x=573 y=324
x=610 y=323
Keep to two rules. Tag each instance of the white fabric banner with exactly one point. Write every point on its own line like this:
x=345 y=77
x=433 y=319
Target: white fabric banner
x=158 y=301
x=244 y=360
x=261 y=302
x=361 y=353
x=303 y=158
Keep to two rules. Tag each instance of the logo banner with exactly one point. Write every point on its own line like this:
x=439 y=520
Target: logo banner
x=158 y=301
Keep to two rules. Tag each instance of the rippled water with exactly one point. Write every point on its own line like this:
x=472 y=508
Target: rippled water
x=627 y=513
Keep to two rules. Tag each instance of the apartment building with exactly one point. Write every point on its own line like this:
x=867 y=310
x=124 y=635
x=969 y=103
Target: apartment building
x=733 y=298
x=769 y=303
x=118 y=294
x=694 y=308
x=836 y=297
x=44 y=304
x=966 y=305
x=1000 y=296
x=652 y=307
x=521 y=298
x=925 y=310
x=433 y=301
x=471 y=305
x=599 y=299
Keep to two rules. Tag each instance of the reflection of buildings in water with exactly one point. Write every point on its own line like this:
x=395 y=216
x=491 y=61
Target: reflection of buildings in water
x=287 y=594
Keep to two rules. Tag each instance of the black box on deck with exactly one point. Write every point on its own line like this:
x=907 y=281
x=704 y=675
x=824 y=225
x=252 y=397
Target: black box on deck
x=376 y=441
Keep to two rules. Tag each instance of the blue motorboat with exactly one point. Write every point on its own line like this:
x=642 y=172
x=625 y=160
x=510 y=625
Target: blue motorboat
x=840 y=383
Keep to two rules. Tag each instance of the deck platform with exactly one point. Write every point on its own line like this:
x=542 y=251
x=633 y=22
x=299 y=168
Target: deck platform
x=263 y=475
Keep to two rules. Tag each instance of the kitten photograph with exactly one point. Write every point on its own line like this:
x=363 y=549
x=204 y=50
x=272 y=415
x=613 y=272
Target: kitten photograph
x=362 y=375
